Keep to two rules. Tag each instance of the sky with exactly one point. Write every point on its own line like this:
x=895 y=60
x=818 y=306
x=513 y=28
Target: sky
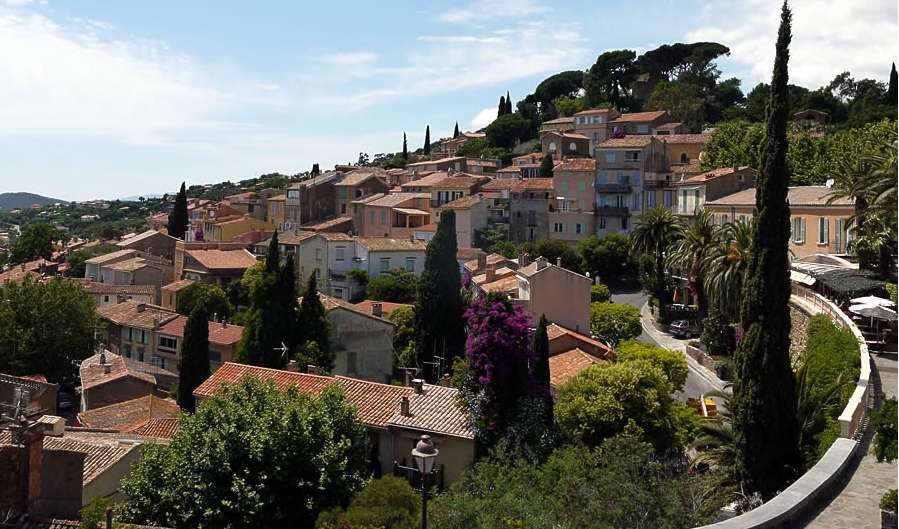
x=104 y=99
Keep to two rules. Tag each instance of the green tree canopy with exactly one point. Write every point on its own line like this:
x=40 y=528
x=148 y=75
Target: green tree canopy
x=507 y=130
x=45 y=327
x=387 y=503
x=403 y=336
x=314 y=329
x=193 y=366
x=209 y=294
x=552 y=250
x=219 y=469
x=672 y=363
x=397 y=285
x=615 y=321
x=178 y=220
x=546 y=167
x=610 y=78
x=35 y=242
x=609 y=258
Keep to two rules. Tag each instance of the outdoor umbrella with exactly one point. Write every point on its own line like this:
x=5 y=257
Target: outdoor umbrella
x=877 y=312
x=872 y=300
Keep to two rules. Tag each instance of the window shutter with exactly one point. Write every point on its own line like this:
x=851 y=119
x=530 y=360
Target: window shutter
x=802 y=229
x=826 y=230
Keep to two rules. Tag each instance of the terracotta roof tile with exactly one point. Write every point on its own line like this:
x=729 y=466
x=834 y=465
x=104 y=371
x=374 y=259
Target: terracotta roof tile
x=136 y=314
x=563 y=367
x=93 y=287
x=639 y=117
x=223 y=259
x=465 y=202
x=132 y=415
x=386 y=306
x=524 y=184
x=219 y=333
x=94 y=374
x=628 y=141
x=577 y=164
x=384 y=244
x=436 y=410
x=175 y=286
x=814 y=196
x=396 y=199
x=555 y=331
x=112 y=256
x=685 y=138
x=714 y=174
x=327 y=224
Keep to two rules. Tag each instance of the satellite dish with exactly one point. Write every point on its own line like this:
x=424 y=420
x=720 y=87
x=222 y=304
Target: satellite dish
x=829 y=183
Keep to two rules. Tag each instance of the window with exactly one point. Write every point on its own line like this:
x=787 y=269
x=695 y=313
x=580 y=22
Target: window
x=684 y=158
x=557 y=227
x=126 y=351
x=167 y=342
x=838 y=235
x=552 y=146
x=293 y=193
x=724 y=219
x=385 y=264
x=358 y=193
x=668 y=198
x=798 y=229
x=140 y=355
x=601 y=178
x=371 y=217
x=340 y=253
x=631 y=156
x=215 y=356
x=602 y=223
x=610 y=157
x=338 y=293
x=572 y=147
x=563 y=186
x=651 y=199
x=577 y=228
x=158 y=361
x=130 y=334
x=623 y=223
x=581 y=186
x=642 y=129
x=343 y=208
x=410 y=264
x=318 y=254
x=823 y=230
x=351 y=361
x=383 y=216
x=105 y=299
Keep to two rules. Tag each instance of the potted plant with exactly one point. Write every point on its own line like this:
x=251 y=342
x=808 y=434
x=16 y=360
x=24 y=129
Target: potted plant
x=888 y=510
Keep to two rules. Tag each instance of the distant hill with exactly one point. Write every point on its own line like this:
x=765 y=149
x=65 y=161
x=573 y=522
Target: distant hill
x=20 y=200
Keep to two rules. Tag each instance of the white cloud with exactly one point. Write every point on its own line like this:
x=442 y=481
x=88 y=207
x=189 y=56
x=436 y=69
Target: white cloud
x=829 y=36
x=482 y=11
x=349 y=58
x=483 y=118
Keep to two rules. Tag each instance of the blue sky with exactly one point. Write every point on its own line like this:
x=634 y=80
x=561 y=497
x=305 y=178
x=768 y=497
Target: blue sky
x=110 y=99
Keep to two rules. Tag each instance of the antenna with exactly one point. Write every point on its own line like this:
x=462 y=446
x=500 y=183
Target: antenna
x=282 y=350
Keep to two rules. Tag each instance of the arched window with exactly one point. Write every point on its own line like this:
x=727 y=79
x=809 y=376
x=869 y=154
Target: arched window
x=684 y=158
x=572 y=147
x=552 y=146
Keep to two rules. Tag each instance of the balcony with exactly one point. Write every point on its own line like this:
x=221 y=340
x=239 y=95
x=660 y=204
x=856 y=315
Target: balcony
x=616 y=187
x=656 y=184
x=611 y=211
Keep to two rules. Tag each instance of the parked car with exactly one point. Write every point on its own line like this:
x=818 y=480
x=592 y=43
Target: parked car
x=684 y=329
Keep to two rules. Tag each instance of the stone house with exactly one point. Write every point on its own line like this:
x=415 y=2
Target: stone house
x=693 y=192
x=212 y=262
x=362 y=340
x=151 y=242
x=396 y=215
x=561 y=145
x=561 y=295
x=571 y=218
x=311 y=200
x=108 y=378
x=471 y=217
x=224 y=339
x=358 y=184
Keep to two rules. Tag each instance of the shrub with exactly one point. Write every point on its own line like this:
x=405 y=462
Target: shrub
x=600 y=294
x=672 y=363
x=831 y=352
x=717 y=334
x=884 y=423
x=615 y=322
x=386 y=503
x=889 y=501
x=891 y=289
x=94 y=513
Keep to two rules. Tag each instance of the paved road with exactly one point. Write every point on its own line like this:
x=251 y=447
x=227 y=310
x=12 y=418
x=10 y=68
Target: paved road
x=696 y=384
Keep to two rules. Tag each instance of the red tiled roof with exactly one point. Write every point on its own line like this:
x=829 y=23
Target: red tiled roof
x=386 y=306
x=714 y=174
x=327 y=224
x=252 y=236
x=93 y=373
x=577 y=164
x=219 y=333
x=628 y=141
x=465 y=202
x=136 y=314
x=92 y=287
x=223 y=259
x=686 y=138
x=378 y=405
x=639 y=116
x=175 y=286
x=563 y=367
x=524 y=184
x=133 y=415
x=813 y=196
x=163 y=428
x=555 y=331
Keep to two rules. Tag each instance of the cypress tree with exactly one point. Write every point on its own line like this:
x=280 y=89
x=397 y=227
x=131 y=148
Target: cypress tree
x=315 y=170
x=193 y=366
x=315 y=346
x=541 y=368
x=438 y=305
x=546 y=167
x=428 y=140
x=508 y=103
x=287 y=304
x=456 y=130
x=262 y=332
x=892 y=90
x=405 y=148
x=178 y=221
x=273 y=257
x=765 y=427
x=501 y=109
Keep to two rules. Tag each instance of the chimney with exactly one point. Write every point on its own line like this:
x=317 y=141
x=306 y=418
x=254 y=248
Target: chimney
x=224 y=324
x=141 y=307
x=490 y=273
x=404 y=407
x=482 y=261
x=418 y=384
x=377 y=309
x=102 y=358
x=541 y=262
x=293 y=366
x=35 y=442
x=524 y=259
x=559 y=261
x=445 y=380
x=155 y=324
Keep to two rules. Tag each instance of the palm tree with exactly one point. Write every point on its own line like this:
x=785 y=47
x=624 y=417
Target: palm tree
x=688 y=254
x=655 y=231
x=724 y=265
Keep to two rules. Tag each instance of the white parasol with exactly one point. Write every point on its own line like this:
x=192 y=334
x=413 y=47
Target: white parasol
x=872 y=300
x=878 y=312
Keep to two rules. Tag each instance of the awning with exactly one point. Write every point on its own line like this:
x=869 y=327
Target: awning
x=411 y=211
x=799 y=277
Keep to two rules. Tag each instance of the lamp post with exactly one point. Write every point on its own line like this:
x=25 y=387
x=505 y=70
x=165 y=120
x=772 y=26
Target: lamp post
x=425 y=455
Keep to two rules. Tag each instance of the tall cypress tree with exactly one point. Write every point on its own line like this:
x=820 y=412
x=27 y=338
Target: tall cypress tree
x=313 y=339
x=315 y=170
x=541 y=368
x=508 y=103
x=546 y=167
x=273 y=257
x=501 y=108
x=438 y=305
x=262 y=332
x=456 y=130
x=178 y=221
x=765 y=426
x=892 y=90
x=193 y=366
x=288 y=309
x=428 y=140
x=405 y=148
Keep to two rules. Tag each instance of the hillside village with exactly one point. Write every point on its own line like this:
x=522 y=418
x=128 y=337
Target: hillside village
x=478 y=294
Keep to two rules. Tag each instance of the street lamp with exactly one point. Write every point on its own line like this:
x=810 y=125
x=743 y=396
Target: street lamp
x=425 y=455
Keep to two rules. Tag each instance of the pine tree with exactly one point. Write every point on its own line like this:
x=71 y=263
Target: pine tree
x=541 y=367
x=314 y=343
x=405 y=148
x=546 y=167
x=178 y=221
x=438 y=307
x=456 y=130
x=508 y=103
x=501 y=109
x=193 y=367
x=273 y=257
x=428 y=140
x=892 y=90
x=315 y=170
x=765 y=426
